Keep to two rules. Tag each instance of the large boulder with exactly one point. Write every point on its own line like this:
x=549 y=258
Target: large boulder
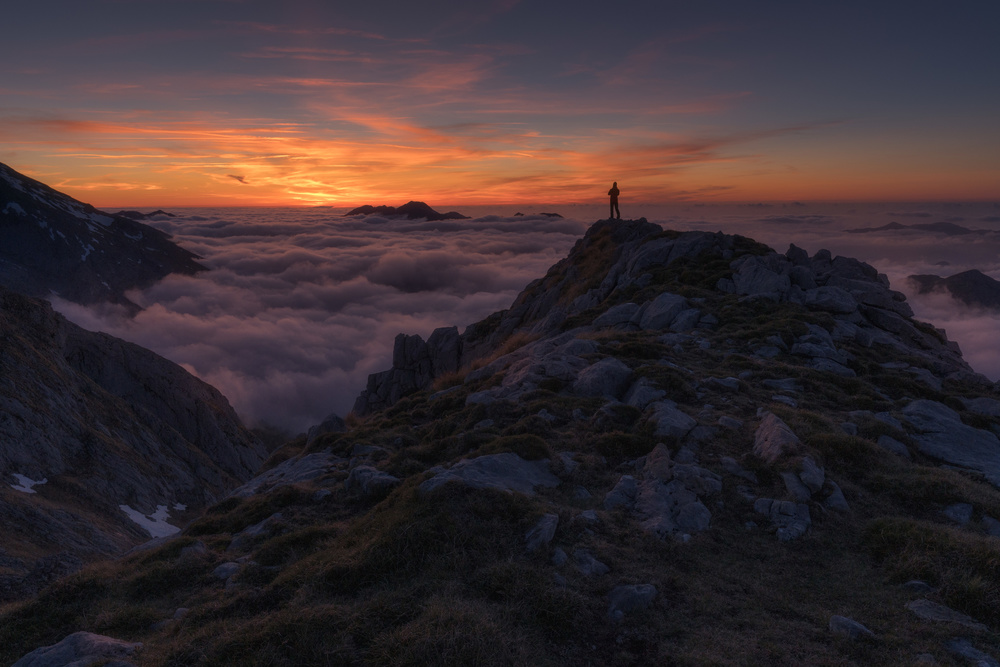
x=774 y=438
x=941 y=434
x=506 y=472
x=607 y=377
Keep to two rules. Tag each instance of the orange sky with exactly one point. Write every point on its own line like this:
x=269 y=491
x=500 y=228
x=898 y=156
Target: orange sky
x=157 y=108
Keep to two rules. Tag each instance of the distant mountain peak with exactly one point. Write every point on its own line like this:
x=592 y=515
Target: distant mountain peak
x=51 y=243
x=412 y=210
x=973 y=288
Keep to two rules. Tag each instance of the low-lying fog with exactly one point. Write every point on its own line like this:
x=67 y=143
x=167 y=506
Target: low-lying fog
x=300 y=305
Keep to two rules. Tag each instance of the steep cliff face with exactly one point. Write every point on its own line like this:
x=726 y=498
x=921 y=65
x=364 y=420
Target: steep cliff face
x=52 y=243
x=89 y=424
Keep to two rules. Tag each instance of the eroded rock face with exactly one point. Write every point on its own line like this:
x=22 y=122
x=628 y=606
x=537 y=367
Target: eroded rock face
x=774 y=439
x=107 y=425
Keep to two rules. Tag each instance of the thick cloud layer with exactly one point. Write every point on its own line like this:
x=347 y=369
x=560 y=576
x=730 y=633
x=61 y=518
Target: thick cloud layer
x=302 y=304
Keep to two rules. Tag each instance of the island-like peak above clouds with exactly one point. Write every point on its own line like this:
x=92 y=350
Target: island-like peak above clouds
x=51 y=243
x=973 y=288
x=413 y=210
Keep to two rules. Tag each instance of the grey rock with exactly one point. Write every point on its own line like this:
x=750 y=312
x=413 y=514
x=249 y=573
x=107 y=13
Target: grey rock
x=831 y=366
x=729 y=384
x=660 y=313
x=848 y=627
x=812 y=475
x=991 y=525
x=987 y=407
x=543 y=532
x=790 y=385
x=559 y=557
x=790 y=402
x=730 y=422
x=628 y=598
x=888 y=419
x=754 y=277
x=671 y=421
x=194 y=551
x=963 y=648
x=79 y=650
x=607 y=377
x=331 y=424
x=919 y=587
x=766 y=351
x=894 y=446
x=246 y=537
x=484 y=424
x=686 y=320
x=588 y=565
x=836 y=500
x=694 y=517
x=731 y=466
x=926 y=377
x=581 y=493
x=616 y=315
x=568 y=460
x=932 y=611
x=623 y=494
x=370 y=481
x=506 y=472
x=226 y=570
x=830 y=299
x=292 y=471
x=960 y=513
x=774 y=439
x=642 y=393
x=589 y=516
x=796 y=489
x=657 y=465
x=942 y=435
x=792 y=520
x=849 y=428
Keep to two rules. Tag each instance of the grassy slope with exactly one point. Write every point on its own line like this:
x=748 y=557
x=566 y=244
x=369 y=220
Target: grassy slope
x=444 y=578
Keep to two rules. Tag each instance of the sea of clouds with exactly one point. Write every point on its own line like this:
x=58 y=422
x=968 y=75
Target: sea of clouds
x=301 y=304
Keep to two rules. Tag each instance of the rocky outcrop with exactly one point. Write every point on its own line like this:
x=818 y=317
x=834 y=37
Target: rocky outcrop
x=51 y=243
x=505 y=472
x=940 y=433
x=112 y=429
x=415 y=364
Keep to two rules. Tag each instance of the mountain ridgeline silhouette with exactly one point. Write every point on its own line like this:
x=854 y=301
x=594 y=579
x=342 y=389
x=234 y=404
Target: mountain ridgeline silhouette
x=52 y=244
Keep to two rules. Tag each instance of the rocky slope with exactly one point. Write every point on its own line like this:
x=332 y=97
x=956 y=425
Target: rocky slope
x=678 y=448
x=96 y=436
x=52 y=243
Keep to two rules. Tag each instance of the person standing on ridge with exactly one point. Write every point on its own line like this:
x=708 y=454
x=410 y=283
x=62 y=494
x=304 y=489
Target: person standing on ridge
x=614 y=192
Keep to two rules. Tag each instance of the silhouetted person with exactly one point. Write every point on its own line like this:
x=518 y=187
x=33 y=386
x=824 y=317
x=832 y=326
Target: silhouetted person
x=614 y=192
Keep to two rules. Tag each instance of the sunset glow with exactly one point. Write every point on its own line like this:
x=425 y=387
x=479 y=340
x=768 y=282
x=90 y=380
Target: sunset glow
x=160 y=104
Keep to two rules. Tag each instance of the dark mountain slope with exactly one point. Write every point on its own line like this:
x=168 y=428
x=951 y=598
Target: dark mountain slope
x=105 y=423
x=52 y=243
x=675 y=448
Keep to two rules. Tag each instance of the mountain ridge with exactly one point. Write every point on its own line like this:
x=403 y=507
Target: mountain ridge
x=674 y=447
x=51 y=243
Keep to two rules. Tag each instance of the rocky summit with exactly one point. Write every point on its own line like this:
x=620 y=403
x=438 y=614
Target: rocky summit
x=674 y=448
x=51 y=243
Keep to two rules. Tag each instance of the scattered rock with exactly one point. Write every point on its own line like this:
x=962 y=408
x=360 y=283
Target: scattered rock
x=623 y=494
x=543 y=532
x=730 y=422
x=226 y=570
x=894 y=446
x=963 y=648
x=660 y=313
x=671 y=421
x=370 y=481
x=607 y=377
x=836 y=500
x=848 y=627
x=629 y=598
x=292 y=471
x=919 y=587
x=79 y=650
x=991 y=525
x=960 y=513
x=932 y=611
x=588 y=565
x=774 y=438
x=506 y=471
x=792 y=520
x=812 y=475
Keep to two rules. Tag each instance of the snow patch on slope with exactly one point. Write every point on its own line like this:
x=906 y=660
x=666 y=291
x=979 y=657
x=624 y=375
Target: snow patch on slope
x=155 y=524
